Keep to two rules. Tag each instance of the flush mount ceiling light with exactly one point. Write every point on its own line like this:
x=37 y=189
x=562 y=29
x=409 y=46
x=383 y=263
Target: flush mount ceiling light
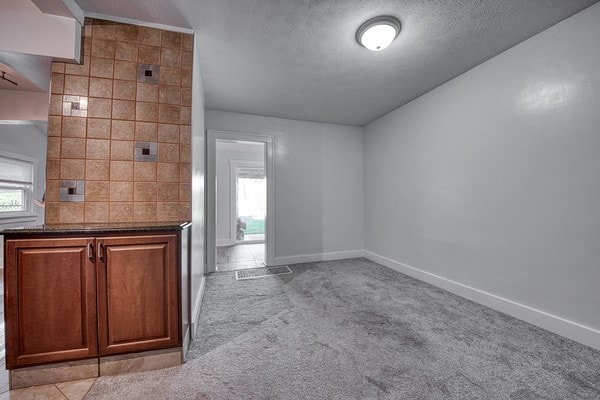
x=378 y=33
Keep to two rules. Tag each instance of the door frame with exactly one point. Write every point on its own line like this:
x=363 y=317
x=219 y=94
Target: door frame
x=211 y=178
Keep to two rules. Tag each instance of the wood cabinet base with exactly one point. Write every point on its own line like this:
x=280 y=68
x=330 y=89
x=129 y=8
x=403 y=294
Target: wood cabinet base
x=94 y=367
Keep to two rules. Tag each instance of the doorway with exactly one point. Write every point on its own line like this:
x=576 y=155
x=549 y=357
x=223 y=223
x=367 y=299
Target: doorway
x=239 y=201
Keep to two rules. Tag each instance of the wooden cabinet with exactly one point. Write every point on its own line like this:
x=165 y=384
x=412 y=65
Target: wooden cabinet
x=137 y=293
x=50 y=294
x=76 y=298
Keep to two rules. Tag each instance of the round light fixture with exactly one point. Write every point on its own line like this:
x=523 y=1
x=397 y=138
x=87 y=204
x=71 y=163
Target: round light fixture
x=378 y=33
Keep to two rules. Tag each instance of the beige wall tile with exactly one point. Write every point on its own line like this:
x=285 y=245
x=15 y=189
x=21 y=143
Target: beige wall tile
x=54 y=125
x=123 y=109
x=185 y=211
x=72 y=169
x=56 y=104
x=185 y=153
x=57 y=83
x=102 y=67
x=187 y=41
x=70 y=212
x=170 y=57
x=72 y=148
x=170 y=76
x=146 y=112
x=168 y=133
x=97 y=170
x=76 y=85
x=186 y=135
x=53 y=150
x=97 y=190
x=126 y=51
x=52 y=186
x=51 y=213
x=58 y=67
x=168 y=172
x=125 y=70
x=143 y=212
x=103 y=29
x=145 y=131
x=121 y=212
x=121 y=170
x=103 y=47
x=99 y=108
x=147 y=92
x=145 y=191
x=98 y=149
x=96 y=212
x=186 y=77
x=168 y=192
x=187 y=59
x=185 y=172
x=126 y=32
x=171 y=39
x=148 y=54
x=169 y=94
x=144 y=171
x=74 y=127
x=186 y=115
x=186 y=96
x=149 y=36
x=98 y=128
x=122 y=130
x=121 y=191
x=168 y=152
x=101 y=87
x=185 y=192
x=124 y=90
x=167 y=211
x=79 y=69
x=121 y=150
x=169 y=114
x=52 y=169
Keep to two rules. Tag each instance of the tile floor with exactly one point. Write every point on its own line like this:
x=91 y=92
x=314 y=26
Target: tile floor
x=241 y=256
x=75 y=390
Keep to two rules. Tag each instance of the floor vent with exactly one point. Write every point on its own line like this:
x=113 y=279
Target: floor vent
x=255 y=273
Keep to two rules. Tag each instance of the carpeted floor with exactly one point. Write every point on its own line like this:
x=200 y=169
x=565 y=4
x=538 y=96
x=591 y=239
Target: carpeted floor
x=355 y=330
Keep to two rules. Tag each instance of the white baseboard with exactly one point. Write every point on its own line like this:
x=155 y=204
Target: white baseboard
x=197 y=308
x=563 y=327
x=338 y=255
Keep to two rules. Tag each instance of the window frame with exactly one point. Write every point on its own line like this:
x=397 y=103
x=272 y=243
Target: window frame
x=28 y=214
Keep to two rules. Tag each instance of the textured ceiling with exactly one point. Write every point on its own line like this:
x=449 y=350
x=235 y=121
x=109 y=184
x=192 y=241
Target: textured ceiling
x=299 y=59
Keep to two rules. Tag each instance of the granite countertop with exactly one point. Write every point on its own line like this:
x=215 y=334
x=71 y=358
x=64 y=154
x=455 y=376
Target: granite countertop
x=88 y=229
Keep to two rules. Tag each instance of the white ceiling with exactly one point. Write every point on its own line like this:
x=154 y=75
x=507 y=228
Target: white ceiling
x=299 y=59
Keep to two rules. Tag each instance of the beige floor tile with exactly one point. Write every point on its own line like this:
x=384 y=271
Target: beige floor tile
x=46 y=392
x=76 y=390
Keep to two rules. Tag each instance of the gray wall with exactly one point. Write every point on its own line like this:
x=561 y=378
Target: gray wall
x=493 y=179
x=318 y=183
x=198 y=160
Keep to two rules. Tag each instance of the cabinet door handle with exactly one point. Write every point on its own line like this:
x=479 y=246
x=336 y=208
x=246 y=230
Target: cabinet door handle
x=100 y=251
x=90 y=251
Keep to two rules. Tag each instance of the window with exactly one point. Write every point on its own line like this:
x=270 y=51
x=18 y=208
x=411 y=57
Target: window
x=16 y=187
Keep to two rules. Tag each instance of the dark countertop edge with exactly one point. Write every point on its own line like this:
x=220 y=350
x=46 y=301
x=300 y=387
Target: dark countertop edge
x=93 y=229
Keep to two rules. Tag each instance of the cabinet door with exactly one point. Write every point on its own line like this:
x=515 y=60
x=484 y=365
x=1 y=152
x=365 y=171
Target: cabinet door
x=138 y=293
x=50 y=293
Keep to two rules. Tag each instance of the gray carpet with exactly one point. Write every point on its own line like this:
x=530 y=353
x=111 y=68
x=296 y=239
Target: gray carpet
x=355 y=330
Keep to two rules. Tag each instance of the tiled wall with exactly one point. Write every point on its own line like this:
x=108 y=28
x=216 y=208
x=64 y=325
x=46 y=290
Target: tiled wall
x=99 y=111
